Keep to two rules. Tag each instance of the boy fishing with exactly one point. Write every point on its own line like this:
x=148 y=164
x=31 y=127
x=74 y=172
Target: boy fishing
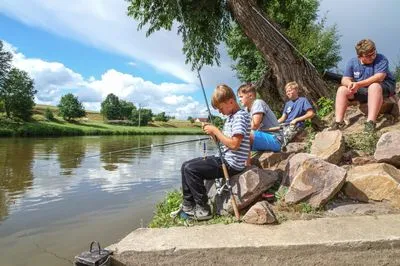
x=235 y=141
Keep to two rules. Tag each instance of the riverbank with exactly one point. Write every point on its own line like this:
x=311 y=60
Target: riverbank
x=91 y=125
x=83 y=128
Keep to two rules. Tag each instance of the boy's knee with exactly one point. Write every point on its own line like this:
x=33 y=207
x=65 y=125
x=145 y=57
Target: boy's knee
x=342 y=90
x=375 y=87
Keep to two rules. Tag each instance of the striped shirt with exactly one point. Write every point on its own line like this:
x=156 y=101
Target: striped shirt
x=237 y=124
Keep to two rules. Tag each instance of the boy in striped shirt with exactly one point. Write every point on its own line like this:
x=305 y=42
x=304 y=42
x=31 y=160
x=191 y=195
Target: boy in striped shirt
x=235 y=145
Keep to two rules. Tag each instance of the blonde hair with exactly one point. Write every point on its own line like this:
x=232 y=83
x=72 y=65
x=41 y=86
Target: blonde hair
x=292 y=85
x=221 y=94
x=364 y=47
x=245 y=88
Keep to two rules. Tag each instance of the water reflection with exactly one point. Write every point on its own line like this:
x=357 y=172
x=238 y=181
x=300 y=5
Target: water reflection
x=54 y=184
x=115 y=150
x=70 y=156
x=15 y=172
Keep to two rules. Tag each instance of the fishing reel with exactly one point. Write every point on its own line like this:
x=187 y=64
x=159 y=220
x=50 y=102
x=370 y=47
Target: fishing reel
x=221 y=186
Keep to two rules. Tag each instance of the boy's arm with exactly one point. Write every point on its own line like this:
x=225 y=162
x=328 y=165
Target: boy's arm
x=309 y=114
x=256 y=120
x=232 y=143
x=283 y=118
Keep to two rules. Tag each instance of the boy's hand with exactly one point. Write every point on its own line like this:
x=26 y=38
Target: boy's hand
x=209 y=129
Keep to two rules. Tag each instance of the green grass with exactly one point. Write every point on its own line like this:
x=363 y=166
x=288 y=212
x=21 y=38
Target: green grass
x=362 y=141
x=171 y=203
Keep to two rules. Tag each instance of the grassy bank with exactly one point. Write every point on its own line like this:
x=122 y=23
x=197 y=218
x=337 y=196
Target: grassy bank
x=171 y=203
x=92 y=124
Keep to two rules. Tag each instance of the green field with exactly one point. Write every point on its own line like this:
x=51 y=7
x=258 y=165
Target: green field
x=91 y=124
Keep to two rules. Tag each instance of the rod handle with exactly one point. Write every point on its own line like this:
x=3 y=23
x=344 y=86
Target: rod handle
x=233 y=199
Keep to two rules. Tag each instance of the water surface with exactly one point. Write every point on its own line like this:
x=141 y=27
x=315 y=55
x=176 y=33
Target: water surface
x=59 y=194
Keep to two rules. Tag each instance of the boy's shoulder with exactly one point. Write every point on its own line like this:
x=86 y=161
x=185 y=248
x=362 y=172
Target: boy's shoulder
x=241 y=113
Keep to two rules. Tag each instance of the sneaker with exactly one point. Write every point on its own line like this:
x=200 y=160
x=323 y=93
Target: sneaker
x=337 y=125
x=188 y=209
x=202 y=213
x=369 y=126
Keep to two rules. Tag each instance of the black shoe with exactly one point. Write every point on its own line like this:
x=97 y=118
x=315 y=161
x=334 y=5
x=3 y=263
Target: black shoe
x=202 y=213
x=337 y=126
x=370 y=126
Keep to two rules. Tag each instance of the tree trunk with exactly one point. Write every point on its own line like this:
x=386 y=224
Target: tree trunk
x=284 y=63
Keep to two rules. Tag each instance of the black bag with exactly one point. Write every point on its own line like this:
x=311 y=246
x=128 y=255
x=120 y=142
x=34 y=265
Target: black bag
x=93 y=257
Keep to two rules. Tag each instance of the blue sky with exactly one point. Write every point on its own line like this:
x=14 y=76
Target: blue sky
x=91 y=48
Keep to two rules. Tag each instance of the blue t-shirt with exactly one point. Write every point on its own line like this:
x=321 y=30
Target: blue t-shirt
x=357 y=71
x=296 y=108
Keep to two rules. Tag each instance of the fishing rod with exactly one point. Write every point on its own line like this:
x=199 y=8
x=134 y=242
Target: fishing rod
x=224 y=168
x=131 y=149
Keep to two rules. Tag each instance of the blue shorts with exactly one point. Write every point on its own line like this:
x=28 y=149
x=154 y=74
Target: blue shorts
x=264 y=141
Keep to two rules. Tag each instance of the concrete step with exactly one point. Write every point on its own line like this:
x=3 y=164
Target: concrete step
x=358 y=240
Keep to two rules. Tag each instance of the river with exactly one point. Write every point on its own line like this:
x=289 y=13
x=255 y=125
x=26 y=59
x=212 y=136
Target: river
x=59 y=194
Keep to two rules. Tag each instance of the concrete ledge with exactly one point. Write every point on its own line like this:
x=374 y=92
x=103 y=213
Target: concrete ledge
x=357 y=240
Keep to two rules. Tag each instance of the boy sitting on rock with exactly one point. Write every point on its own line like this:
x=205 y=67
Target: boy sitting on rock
x=296 y=111
x=235 y=140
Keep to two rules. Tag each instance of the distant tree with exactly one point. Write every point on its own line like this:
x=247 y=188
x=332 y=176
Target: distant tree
x=161 y=117
x=218 y=121
x=126 y=109
x=48 y=114
x=141 y=117
x=5 y=63
x=190 y=119
x=18 y=94
x=111 y=107
x=70 y=107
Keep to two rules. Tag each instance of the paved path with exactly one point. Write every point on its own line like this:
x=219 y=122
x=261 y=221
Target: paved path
x=356 y=240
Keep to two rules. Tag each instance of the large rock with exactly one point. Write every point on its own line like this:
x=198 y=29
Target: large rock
x=314 y=181
x=292 y=165
x=260 y=213
x=329 y=145
x=378 y=181
x=388 y=148
x=272 y=160
x=246 y=187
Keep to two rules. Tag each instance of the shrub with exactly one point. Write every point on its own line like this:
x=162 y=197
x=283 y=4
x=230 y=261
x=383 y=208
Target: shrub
x=363 y=141
x=48 y=114
x=325 y=106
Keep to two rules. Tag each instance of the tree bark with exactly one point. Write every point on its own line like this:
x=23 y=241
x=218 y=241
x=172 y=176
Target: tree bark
x=285 y=65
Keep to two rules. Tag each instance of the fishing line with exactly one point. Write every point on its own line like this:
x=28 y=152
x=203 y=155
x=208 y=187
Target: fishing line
x=128 y=149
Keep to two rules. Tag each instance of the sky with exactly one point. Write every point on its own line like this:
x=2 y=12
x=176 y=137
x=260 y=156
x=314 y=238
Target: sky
x=92 y=48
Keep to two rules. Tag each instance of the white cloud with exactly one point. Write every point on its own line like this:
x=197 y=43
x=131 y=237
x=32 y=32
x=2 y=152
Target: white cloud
x=104 y=24
x=53 y=79
x=133 y=64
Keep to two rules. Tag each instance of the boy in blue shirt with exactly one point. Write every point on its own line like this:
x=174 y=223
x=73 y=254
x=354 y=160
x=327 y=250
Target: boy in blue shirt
x=296 y=111
x=366 y=79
